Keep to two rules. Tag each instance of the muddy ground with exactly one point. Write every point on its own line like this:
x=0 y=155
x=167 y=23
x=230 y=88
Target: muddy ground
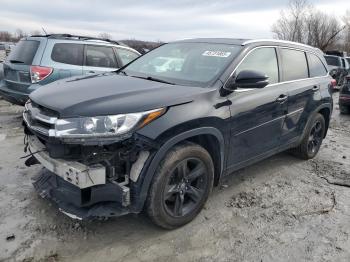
x=282 y=209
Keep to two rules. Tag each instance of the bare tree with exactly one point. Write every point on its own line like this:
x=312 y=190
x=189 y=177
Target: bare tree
x=301 y=22
x=35 y=32
x=105 y=36
x=290 y=25
x=20 y=33
x=5 y=36
x=346 y=33
x=323 y=30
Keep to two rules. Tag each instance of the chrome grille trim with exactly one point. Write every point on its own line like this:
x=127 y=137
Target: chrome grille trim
x=31 y=114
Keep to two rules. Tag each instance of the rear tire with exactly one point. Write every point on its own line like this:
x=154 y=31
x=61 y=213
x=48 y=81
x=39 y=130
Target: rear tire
x=180 y=186
x=312 y=140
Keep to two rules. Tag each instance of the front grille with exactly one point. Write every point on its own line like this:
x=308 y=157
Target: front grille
x=40 y=119
x=44 y=110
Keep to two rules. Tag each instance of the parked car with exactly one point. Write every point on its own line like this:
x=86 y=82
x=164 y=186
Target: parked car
x=344 y=96
x=346 y=66
x=348 y=59
x=338 y=67
x=39 y=60
x=2 y=52
x=147 y=139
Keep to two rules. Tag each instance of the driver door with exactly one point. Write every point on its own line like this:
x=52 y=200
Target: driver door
x=257 y=115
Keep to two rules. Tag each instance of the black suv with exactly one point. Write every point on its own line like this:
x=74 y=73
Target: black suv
x=159 y=133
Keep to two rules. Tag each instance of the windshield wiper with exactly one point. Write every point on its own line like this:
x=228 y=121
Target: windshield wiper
x=121 y=71
x=151 y=78
x=16 y=62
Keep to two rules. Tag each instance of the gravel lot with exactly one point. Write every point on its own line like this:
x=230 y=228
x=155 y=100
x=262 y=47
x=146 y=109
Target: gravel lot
x=282 y=209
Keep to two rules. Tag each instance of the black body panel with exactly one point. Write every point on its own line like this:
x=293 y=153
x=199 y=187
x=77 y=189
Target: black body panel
x=110 y=94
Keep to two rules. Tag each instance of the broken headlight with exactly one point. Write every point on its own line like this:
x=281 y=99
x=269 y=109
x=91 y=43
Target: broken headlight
x=104 y=126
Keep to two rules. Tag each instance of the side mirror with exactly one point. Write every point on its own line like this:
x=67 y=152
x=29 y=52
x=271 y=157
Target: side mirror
x=247 y=79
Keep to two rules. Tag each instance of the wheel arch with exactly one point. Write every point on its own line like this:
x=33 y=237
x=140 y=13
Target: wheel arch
x=204 y=136
x=326 y=112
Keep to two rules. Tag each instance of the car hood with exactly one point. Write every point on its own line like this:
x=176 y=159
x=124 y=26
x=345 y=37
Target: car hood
x=109 y=93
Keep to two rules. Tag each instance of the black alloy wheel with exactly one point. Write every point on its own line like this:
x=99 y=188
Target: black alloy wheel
x=315 y=138
x=181 y=185
x=185 y=187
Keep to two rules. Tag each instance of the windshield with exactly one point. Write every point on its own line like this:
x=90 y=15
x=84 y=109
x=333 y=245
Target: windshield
x=194 y=64
x=333 y=61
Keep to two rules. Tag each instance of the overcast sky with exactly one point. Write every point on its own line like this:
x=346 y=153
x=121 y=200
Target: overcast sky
x=152 y=20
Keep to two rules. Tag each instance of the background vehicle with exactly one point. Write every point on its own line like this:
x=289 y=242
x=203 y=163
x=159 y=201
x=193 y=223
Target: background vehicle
x=39 y=60
x=344 y=96
x=2 y=52
x=348 y=59
x=159 y=140
x=338 y=68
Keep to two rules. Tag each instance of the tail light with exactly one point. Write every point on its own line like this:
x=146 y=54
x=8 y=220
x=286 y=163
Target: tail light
x=347 y=79
x=38 y=73
x=333 y=83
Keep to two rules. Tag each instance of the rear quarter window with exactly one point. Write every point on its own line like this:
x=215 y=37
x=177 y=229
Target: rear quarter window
x=68 y=53
x=316 y=67
x=332 y=61
x=24 y=52
x=294 y=65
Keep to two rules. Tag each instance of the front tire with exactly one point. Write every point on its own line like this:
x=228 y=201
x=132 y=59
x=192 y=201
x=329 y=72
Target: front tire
x=181 y=186
x=312 y=140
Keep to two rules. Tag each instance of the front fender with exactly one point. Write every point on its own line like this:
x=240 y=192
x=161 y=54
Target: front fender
x=146 y=176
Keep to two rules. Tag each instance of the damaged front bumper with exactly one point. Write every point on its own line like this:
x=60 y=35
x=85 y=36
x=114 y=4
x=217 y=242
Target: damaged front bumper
x=80 y=191
x=73 y=201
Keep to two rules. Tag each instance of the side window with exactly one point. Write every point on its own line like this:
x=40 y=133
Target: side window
x=126 y=56
x=100 y=56
x=68 y=53
x=294 y=65
x=263 y=60
x=316 y=67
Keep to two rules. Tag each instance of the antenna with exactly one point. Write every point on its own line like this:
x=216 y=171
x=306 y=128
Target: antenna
x=44 y=30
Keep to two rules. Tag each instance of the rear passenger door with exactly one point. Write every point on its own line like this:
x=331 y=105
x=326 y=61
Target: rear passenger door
x=303 y=91
x=99 y=59
x=65 y=58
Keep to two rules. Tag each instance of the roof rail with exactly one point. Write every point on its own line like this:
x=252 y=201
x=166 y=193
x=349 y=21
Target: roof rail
x=276 y=41
x=79 y=37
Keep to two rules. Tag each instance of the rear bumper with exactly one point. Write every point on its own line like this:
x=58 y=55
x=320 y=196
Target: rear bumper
x=12 y=96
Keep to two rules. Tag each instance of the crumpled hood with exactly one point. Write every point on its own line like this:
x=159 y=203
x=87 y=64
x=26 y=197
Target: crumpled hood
x=110 y=93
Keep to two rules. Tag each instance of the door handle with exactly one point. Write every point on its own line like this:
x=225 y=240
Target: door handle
x=91 y=72
x=282 y=98
x=315 y=88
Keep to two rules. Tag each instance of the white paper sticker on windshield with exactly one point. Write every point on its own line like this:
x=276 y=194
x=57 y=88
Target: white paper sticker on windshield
x=217 y=53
